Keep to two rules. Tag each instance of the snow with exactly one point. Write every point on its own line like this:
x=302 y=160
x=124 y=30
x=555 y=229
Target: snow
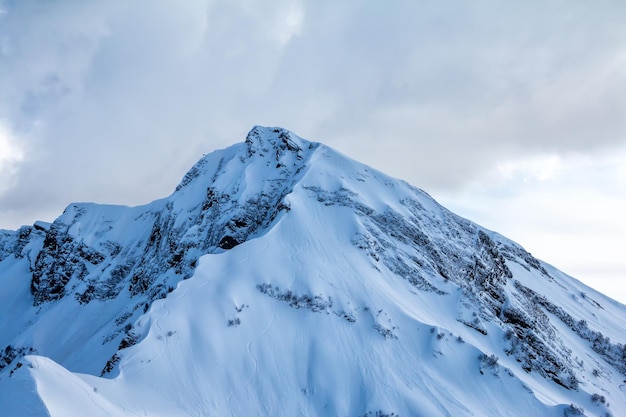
x=350 y=293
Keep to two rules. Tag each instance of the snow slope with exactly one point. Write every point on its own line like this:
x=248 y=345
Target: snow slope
x=283 y=278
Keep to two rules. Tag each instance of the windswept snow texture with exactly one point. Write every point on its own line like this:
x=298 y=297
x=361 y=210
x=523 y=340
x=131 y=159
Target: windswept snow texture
x=282 y=278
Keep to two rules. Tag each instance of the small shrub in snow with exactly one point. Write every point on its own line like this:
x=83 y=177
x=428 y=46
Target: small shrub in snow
x=488 y=362
x=380 y=413
x=347 y=316
x=17 y=366
x=384 y=332
x=597 y=399
x=315 y=303
x=573 y=410
x=234 y=322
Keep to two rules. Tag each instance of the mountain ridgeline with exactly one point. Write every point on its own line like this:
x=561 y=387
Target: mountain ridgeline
x=283 y=278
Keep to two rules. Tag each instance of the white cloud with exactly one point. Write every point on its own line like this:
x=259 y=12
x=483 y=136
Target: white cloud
x=10 y=157
x=539 y=168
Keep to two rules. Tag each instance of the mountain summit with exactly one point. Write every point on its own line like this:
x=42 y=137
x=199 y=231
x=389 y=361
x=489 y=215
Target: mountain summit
x=282 y=278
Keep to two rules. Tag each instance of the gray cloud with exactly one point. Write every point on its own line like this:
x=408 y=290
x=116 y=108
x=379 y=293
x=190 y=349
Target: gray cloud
x=112 y=101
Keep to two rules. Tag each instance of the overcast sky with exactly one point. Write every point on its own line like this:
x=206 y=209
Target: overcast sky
x=510 y=113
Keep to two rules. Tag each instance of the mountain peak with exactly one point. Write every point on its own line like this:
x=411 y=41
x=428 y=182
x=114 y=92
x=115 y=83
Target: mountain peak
x=274 y=150
x=264 y=139
x=284 y=277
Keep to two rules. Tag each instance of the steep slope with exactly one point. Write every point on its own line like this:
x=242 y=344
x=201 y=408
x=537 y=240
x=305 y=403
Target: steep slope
x=282 y=278
x=108 y=263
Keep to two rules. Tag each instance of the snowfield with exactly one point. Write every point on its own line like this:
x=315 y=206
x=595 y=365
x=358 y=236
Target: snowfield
x=282 y=278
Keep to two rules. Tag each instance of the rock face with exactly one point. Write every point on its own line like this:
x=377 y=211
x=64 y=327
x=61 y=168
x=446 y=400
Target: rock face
x=377 y=254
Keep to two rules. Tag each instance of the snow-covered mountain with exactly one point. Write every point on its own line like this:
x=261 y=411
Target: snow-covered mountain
x=282 y=278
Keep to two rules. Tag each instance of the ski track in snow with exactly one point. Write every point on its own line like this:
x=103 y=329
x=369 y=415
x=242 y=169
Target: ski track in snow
x=161 y=333
x=254 y=358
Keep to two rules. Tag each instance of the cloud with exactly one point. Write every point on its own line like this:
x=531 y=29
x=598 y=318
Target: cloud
x=439 y=83
x=10 y=157
x=114 y=100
